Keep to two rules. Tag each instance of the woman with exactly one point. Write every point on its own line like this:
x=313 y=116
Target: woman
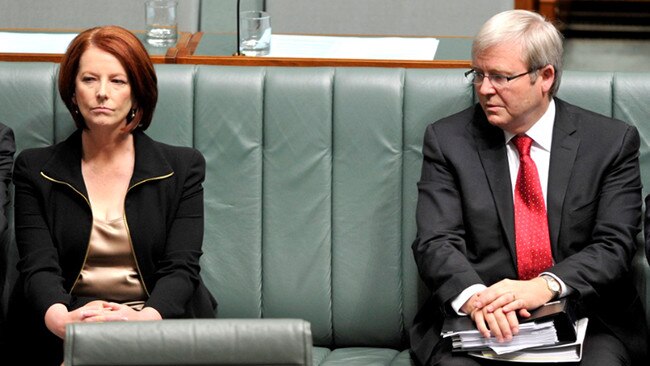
x=109 y=223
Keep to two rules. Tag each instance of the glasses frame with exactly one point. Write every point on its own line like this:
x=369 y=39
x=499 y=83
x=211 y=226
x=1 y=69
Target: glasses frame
x=497 y=80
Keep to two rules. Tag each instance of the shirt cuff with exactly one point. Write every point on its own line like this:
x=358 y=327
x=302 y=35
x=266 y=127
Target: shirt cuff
x=461 y=299
x=564 y=289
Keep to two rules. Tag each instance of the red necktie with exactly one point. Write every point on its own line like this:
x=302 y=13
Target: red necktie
x=531 y=224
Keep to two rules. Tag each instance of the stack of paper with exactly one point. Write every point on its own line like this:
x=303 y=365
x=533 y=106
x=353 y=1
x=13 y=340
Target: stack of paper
x=530 y=335
x=571 y=352
x=551 y=334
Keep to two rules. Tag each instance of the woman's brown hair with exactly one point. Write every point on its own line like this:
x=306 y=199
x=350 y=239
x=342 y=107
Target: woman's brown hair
x=130 y=52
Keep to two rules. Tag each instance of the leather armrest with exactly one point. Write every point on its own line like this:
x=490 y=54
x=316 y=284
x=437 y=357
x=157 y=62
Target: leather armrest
x=190 y=342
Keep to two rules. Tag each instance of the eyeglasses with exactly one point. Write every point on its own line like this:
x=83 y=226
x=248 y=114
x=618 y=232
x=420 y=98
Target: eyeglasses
x=498 y=81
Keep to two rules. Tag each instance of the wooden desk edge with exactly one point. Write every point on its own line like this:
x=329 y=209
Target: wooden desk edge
x=168 y=58
x=56 y=58
x=318 y=62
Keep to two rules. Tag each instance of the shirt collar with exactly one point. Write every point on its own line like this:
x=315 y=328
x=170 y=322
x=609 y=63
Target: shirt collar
x=542 y=131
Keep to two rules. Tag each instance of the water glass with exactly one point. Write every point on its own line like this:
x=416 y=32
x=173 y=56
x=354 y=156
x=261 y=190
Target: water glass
x=255 y=33
x=160 y=21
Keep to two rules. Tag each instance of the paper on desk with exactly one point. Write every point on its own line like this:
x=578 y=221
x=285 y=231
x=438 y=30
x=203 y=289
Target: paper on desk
x=383 y=48
x=15 y=42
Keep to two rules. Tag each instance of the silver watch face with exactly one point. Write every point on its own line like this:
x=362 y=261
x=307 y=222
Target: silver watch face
x=553 y=285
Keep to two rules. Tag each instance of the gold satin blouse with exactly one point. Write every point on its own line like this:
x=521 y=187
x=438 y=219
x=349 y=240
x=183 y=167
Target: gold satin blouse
x=110 y=271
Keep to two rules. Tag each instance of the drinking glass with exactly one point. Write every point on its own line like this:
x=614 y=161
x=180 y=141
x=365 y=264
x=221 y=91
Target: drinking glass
x=160 y=21
x=255 y=33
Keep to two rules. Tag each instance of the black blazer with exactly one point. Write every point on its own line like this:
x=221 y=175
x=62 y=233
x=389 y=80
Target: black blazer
x=164 y=214
x=7 y=150
x=465 y=218
x=647 y=227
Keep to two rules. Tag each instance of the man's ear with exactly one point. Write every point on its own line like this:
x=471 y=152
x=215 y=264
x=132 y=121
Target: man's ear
x=547 y=73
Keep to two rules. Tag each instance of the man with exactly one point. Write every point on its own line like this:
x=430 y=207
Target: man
x=495 y=242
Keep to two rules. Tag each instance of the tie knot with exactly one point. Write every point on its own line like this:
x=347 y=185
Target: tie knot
x=523 y=143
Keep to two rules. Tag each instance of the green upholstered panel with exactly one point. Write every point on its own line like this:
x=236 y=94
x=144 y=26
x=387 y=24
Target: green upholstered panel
x=632 y=104
x=403 y=359
x=297 y=207
x=63 y=123
x=228 y=123
x=27 y=100
x=173 y=119
x=589 y=90
x=366 y=207
x=360 y=356
x=319 y=354
x=428 y=96
x=26 y=105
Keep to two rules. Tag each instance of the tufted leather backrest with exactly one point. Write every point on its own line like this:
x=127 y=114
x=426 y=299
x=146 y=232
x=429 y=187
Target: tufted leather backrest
x=311 y=178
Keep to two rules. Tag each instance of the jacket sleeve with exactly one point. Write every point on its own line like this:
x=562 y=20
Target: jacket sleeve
x=178 y=271
x=7 y=150
x=440 y=243
x=38 y=262
x=599 y=236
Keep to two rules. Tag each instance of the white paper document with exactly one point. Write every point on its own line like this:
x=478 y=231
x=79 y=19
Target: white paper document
x=382 y=48
x=531 y=334
x=15 y=42
x=571 y=352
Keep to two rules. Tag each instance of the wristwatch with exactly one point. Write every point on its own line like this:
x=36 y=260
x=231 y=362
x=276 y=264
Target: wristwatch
x=553 y=286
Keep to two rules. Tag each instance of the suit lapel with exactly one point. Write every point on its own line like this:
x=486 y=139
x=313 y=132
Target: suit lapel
x=494 y=159
x=564 y=149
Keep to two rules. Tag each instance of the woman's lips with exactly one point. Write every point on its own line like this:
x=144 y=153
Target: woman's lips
x=102 y=110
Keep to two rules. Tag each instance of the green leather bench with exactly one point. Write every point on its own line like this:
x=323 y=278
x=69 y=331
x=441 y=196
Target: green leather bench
x=311 y=184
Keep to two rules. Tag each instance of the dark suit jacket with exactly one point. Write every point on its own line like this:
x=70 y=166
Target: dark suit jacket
x=7 y=150
x=647 y=227
x=465 y=218
x=164 y=214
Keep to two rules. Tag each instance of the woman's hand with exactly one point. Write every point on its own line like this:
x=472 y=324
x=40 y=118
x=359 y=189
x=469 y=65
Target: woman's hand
x=58 y=316
x=112 y=311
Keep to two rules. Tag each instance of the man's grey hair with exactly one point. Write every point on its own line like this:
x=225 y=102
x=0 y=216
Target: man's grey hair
x=539 y=39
